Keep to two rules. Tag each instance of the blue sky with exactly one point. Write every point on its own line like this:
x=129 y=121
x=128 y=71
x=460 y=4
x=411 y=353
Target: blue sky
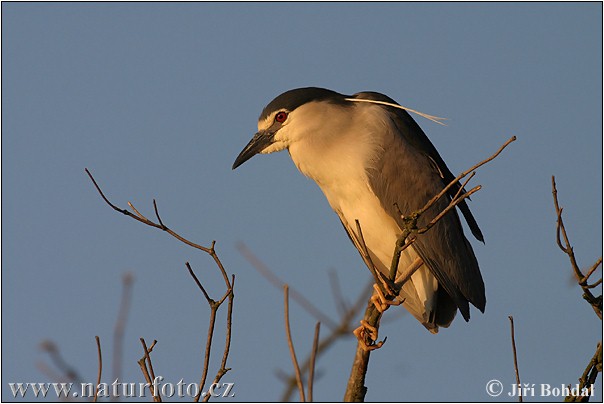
x=158 y=99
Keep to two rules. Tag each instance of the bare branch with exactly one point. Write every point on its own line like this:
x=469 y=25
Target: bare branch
x=313 y=355
x=463 y=186
x=356 y=389
x=135 y=211
x=589 y=376
x=462 y=175
x=343 y=330
x=362 y=247
x=227 y=344
x=120 y=325
x=69 y=373
x=199 y=285
x=595 y=302
x=214 y=305
x=158 y=217
x=147 y=368
x=595 y=364
x=515 y=356
x=451 y=205
x=263 y=270
x=100 y=371
x=407 y=237
x=336 y=291
x=591 y=270
x=290 y=343
x=208 y=350
x=141 y=218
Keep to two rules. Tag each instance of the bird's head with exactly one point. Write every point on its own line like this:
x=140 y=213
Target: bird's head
x=301 y=114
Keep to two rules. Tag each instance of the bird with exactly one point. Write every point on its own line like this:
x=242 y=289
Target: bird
x=376 y=166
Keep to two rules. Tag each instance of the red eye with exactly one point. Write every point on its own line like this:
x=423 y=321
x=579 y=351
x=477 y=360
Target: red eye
x=281 y=116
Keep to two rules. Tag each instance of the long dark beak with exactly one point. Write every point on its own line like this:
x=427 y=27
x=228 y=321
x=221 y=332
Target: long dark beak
x=258 y=143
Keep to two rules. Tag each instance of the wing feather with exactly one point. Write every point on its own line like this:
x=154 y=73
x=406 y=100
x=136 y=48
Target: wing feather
x=409 y=158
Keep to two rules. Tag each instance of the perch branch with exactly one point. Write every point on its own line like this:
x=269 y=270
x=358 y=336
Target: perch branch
x=343 y=330
x=356 y=389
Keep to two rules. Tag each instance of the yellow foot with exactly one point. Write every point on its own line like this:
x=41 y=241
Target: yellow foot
x=380 y=301
x=367 y=336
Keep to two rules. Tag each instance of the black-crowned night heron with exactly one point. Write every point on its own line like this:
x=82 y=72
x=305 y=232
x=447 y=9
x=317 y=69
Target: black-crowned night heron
x=375 y=165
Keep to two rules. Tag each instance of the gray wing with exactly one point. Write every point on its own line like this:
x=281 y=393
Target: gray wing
x=416 y=137
x=409 y=157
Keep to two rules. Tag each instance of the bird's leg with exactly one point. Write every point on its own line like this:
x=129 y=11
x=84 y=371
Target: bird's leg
x=367 y=336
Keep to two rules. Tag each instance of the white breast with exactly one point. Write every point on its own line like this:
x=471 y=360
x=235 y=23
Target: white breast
x=337 y=162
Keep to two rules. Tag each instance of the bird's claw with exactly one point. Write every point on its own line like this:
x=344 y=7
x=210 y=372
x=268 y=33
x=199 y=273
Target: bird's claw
x=380 y=301
x=367 y=336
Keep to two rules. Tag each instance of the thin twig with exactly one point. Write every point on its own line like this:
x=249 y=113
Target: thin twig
x=227 y=344
x=208 y=350
x=135 y=211
x=57 y=360
x=149 y=363
x=214 y=305
x=343 y=330
x=141 y=218
x=336 y=291
x=463 y=185
x=263 y=270
x=463 y=174
x=120 y=325
x=590 y=272
x=199 y=285
x=100 y=371
x=407 y=238
x=362 y=247
x=589 y=376
x=515 y=356
x=313 y=355
x=147 y=368
x=290 y=343
x=595 y=302
x=449 y=207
